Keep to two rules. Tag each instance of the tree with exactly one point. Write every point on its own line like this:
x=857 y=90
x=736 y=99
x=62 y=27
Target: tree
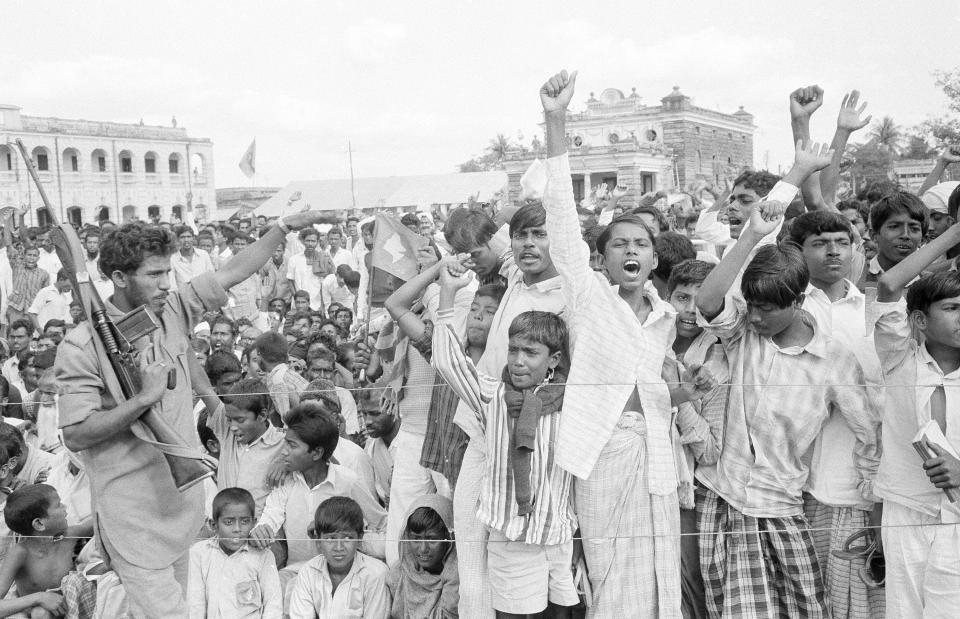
x=917 y=147
x=944 y=130
x=871 y=162
x=492 y=158
x=887 y=134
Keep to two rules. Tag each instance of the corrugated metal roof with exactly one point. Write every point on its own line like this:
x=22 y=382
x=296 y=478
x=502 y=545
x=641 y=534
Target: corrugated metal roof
x=390 y=192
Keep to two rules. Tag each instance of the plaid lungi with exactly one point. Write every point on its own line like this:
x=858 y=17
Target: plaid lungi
x=444 y=443
x=847 y=596
x=757 y=568
x=80 y=595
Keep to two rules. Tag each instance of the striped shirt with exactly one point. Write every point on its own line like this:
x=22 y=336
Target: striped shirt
x=552 y=520
x=613 y=353
x=779 y=400
x=26 y=284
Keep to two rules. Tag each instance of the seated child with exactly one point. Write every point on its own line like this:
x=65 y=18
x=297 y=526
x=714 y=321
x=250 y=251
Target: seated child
x=426 y=583
x=228 y=577
x=43 y=555
x=248 y=441
x=340 y=581
x=525 y=499
x=310 y=441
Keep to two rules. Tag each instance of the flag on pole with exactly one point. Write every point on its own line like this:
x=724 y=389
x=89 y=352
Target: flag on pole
x=248 y=163
x=393 y=259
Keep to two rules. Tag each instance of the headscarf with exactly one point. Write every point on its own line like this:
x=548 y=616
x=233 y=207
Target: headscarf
x=418 y=594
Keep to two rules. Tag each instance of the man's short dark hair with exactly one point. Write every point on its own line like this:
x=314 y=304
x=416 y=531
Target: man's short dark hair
x=233 y=496
x=688 y=273
x=410 y=219
x=626 y=218
x=324 y=393
x=272 y=347
x=62 y=275
x=818 y=222
x=249 y=394
x=898 y=203
x=877 y=190
x=530 y=215
x=125 y=248
x=308 y=231
x=466 y=229
x=314 y=425
x=544 y=328
x=223 y=320
x=932 y=288
x=777 y=275
x=55 y=323
x=45 y=359
x=178 y=230
x=26 y=505
x=760 y=181
x=672 y=248
x=336 y=514
x=351 y=279
x=22 y=323
x=219 y=363
x=855 y=205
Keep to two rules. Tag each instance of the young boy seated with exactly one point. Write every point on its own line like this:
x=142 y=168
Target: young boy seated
x=426 y=583
x=922 y=383
x=43 y=555
x=310 y=441
x=340 y=581
x=248 y=441
x=524 y=497
x=228 y=577
x=787 y=378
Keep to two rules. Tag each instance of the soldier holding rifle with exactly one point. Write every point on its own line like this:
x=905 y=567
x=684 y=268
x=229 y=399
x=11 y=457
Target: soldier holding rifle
x=145 y=525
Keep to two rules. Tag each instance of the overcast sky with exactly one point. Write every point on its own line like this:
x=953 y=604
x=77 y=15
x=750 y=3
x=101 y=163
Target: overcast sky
x=420 y=87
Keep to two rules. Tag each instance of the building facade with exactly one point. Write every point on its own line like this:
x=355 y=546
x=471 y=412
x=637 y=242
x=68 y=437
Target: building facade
x=619 y=140
x=94 y=171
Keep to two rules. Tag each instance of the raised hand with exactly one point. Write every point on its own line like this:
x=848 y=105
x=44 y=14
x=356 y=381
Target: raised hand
x=619 y=191
x=812 y=156
x=766 y=216
x=805 y=101
x=697 y=382
x=453 y=275
x=849 y=117
x=556 y=92
x=950 y=154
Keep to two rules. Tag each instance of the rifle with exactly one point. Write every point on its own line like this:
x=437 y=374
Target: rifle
x=113 y=341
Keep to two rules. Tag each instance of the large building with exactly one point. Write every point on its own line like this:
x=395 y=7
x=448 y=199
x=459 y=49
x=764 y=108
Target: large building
x=104 y=170
x=618 y=139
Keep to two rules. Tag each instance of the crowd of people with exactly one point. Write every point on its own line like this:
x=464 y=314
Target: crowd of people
x=734 y=403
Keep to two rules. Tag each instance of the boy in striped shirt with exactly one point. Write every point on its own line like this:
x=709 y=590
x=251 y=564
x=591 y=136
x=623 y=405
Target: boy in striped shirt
x=524 y=497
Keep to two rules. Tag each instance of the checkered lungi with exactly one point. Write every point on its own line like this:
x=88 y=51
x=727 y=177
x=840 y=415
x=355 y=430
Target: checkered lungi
x=757 y=568
x=847 y=596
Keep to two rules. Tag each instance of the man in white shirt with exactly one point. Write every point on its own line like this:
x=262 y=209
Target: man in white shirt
x=48 y=261
x=190 y=261
x=301 y=273
x=52 y=302
x=335 y=289
x=19 y=336
x=91 y=244
x=335 y=247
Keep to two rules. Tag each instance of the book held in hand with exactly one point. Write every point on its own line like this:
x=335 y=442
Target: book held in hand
x=931 y=433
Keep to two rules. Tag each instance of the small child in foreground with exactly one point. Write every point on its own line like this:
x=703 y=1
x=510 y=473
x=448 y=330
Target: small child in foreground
x=229 y=577
x=340 y=581
x=43 y=556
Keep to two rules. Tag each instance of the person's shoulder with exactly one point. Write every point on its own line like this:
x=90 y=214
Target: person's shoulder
x=79 y=337
x=373 y=566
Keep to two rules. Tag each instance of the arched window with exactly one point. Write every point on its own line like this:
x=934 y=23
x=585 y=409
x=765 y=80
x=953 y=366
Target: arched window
x=103 y=213
x=126 y=162
x=197 y=168
x=173 y=163
x=6 y=158
x=177 y=212
x=41 y=158
x=75 y=215
x=98 y=161
x=150 y=163
x=699 y=161
x=43 y=217
x=153 y=212
x=129 y=213
x=71 y=160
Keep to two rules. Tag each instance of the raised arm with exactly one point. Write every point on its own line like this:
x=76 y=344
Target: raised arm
x=763 y=220
x=247 y=262
x=449 y=359
x=399 y=303
x=803 y=103
x=569 y=252
x=950 y=154
x=848 y=121
x=891 y=284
